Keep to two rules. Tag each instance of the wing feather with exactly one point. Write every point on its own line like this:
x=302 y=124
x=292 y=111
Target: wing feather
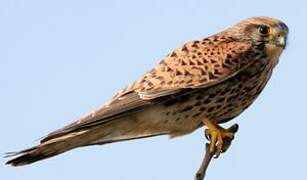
x=172 y=77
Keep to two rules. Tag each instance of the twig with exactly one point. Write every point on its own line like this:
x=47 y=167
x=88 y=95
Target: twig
x=201 y=173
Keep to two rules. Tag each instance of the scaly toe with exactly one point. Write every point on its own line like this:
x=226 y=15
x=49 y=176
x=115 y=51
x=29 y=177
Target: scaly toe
x=216 y=141
x=220 y=139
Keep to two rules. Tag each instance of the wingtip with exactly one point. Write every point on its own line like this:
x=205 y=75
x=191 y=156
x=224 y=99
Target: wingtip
x=23 y=157
x=12 y=164
x=23 y=160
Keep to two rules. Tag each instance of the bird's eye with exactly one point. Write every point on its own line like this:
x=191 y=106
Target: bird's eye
x=264 y=30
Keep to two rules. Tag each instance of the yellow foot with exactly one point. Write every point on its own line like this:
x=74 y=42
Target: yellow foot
x=220 y=138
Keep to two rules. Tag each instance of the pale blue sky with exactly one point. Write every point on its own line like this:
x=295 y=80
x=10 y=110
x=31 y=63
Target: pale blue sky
x=60 y=59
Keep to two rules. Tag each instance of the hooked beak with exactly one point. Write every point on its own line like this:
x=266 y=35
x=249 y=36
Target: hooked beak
x=281 y=41
x=281 y=35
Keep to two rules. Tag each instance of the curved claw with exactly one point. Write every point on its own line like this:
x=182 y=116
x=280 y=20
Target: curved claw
x=207 y=134
x=234 y=128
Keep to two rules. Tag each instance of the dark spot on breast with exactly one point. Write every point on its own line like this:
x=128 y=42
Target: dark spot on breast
x=232 y=91
x=207 y=101
x=210 y=109
x=188 y=108
x=220 y=100
x=212 y=95
x=197 y=114
x=202 y=109
x=198 y=103
x=218 y=106
x=242 y=93
x=231 y=98
x=218 y=91
x=199 y=97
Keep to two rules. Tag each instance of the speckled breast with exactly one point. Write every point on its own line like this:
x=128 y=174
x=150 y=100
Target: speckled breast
x=222 y=102
x=227 y=100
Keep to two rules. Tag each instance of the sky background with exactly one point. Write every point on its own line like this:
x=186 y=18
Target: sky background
x=60 y=59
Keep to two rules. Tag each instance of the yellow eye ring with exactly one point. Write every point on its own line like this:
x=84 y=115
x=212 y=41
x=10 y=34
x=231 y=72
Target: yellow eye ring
x=264 y=30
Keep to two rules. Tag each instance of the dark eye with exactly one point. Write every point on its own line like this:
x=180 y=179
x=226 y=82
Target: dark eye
x=264 y=30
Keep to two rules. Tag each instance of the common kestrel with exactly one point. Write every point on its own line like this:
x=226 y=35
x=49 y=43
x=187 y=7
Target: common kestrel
x=205 y=82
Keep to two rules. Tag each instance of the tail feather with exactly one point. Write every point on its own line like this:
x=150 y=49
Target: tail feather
x=28 y=156
x=46 y=149
x=108 y=133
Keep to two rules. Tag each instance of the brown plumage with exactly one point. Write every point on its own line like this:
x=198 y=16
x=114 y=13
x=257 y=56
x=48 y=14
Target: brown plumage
x=215 y=79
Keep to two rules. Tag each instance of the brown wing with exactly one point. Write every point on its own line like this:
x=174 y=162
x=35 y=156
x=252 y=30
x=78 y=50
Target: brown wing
x=198 y=64
x=124 y=105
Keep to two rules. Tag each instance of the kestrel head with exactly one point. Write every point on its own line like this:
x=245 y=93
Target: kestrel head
x=263 y=29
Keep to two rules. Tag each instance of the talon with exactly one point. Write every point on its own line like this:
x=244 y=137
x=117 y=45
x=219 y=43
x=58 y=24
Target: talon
x=207 y=134
x=234 y=128
x=218 y=152
x=216 y=155
x=220 y=138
